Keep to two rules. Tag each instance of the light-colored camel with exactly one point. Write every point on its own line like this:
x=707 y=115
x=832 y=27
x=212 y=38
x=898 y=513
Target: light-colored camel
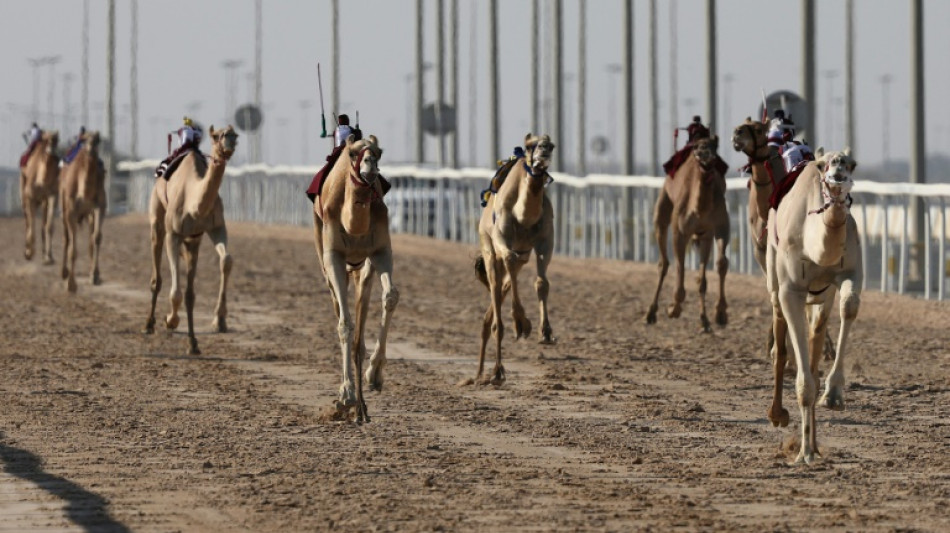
x=694 y=202
x=813 y=250
x=39 y=185
x=516 y=220
x=765 y=163
x=82 y=195
x=181 y=210
x=351 y=236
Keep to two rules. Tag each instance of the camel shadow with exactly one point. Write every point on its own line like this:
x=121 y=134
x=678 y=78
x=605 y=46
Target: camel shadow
x=84 y=508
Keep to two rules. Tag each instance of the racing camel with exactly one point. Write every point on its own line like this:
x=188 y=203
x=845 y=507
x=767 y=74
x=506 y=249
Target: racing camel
x=693 y=201
x=813 y=250
x=351 y=236
x=181 y=210
x=82 y=194
x=765 y=164
x=39 y=184
x=517 y=219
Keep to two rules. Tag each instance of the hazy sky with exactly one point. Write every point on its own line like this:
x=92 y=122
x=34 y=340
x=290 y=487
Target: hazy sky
x=183 y=43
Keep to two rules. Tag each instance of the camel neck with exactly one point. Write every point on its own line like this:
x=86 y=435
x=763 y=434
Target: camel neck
x=208 y=187
x=357 y=200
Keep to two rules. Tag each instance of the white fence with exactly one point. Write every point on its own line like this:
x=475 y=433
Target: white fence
x=595 y=216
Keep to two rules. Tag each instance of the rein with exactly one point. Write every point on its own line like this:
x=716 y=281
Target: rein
x=543 y=174
x=829 y=200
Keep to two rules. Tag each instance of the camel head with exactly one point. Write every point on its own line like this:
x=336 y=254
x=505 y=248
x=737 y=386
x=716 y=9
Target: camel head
x=223 y=142
x=91 y=142
x=51 y=139
x=538 y=149
x=751 y=138
x=704 y=150
x=364 y=157
x=836 y=169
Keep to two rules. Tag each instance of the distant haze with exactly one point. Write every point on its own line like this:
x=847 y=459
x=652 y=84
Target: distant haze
x=183 y=44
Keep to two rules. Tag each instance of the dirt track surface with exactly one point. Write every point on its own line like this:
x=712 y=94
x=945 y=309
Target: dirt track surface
x=620 y=426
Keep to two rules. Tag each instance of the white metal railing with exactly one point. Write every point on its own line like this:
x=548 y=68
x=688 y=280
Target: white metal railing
x=603 y=216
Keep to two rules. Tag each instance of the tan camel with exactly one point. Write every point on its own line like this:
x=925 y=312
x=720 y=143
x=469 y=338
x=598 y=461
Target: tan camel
x=517 y=219
x=694 y=202
x=82 y=194
x=813 y=250
x=182 y=209
x=765 y=163
x=39 y=184
x=351 y=236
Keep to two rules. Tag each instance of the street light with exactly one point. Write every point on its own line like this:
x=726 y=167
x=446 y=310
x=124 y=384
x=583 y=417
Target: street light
x=230 y=80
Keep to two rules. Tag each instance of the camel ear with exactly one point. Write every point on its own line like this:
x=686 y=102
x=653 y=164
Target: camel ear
x=847 y=151
x=530 y=141
x=211 y=131
x=819 y=152
x=350 y=139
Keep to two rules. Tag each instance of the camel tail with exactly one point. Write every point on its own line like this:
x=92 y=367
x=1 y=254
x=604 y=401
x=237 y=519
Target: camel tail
x=480 y=271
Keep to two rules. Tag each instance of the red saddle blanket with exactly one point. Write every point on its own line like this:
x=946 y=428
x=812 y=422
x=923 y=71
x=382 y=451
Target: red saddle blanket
x=171 y=163
x=26 y=155
x=680 y=157
x=316 y=184
x=784 y=186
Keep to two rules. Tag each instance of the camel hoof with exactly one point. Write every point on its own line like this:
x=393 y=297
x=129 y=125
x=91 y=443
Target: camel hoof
x=780 y=420
x=547 y=338
x=149 y=326
x=193 y=347
x=95 y=279
x=674 y=311
x=220 y=324
x=522 y=328
x=64 y=274
x=832 y=399
x=651 y=315
x=467 y=382
x=71 y=286
x=707 y=326
x=28 y=255
x=374 y=383
x=171 y=322
x=48 y=261
x=722 y=318
x=805 y=458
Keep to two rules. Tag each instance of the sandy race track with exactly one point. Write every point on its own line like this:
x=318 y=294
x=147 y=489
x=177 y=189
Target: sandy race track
x=618 y=427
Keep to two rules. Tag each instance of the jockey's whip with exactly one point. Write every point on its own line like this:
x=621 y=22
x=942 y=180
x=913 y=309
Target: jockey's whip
x=357 y=119
x=765 y=107
x=323 y=118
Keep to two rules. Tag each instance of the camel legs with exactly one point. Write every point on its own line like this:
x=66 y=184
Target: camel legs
x=95 y=241
x=777 y=414
x=219 y=237
x=191 y=268
x=364 y=287
x=662 y=212
x=793 y=307
x=850 y=301
x=335 y=266
x=496 y=275
x=29 y=212
x=173 y=245
x=70 y=225
x=383 y=263
x=513 y=264
x=487 y=324
x=705 y=246
x=158 y=240
x=722 y=268
x=680 y=242
x=543 y=251
x=318 y=244
x=49 y=215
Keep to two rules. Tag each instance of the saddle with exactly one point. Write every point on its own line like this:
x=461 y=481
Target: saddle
x=171 y=163
x=316 y=184
x=504 y=168
x=26 y=155
x=680 y=157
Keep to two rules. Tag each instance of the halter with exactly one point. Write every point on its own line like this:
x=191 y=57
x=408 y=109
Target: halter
x=755 y=144
x=829 y=200
x=357 y=179
x=543 y=174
